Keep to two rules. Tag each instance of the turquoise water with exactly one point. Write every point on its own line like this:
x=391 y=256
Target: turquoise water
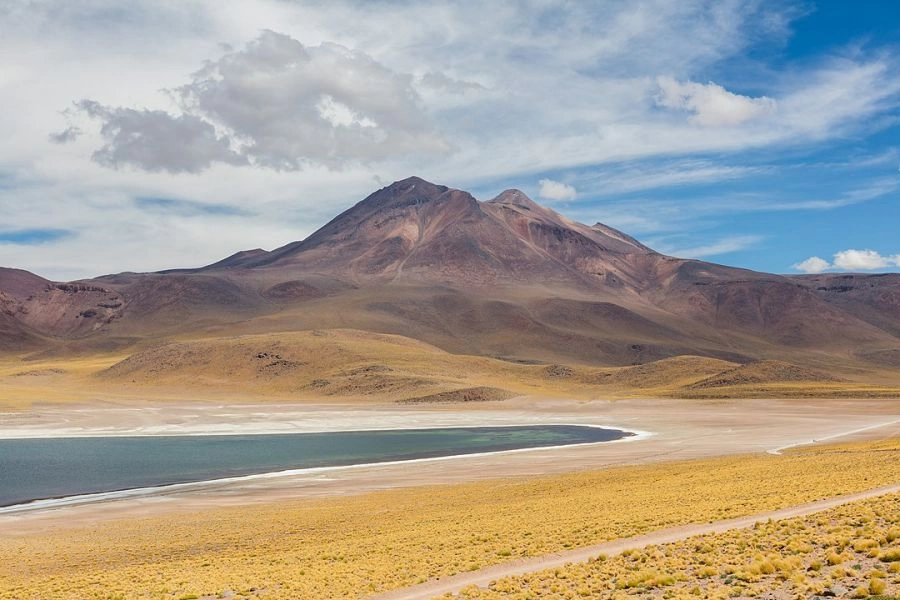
x=32 y=469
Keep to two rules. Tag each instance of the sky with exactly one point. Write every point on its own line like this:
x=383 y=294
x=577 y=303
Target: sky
x=160 y=134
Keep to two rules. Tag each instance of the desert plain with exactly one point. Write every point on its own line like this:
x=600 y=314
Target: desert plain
x=361 y=531
x=764 y=459
x=516 y=300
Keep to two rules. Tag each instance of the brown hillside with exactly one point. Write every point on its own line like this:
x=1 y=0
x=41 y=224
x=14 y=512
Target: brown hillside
x=666 y=373
x=765 y=371
x=873 y=298
x=506 y=277
x=321 y=364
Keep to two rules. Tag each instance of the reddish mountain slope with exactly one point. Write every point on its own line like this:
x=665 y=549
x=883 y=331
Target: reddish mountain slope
x=505 y=277
x=19 y=284
x=415 y=231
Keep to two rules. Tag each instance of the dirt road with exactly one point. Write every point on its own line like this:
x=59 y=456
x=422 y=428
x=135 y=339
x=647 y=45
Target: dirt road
x=483 y=577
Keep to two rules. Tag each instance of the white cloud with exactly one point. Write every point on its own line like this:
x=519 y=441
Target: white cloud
x=835 y=98
x=864 y=260
x=630 y=177
x=278 y=104
x=441 y=81
x=341 y=115
x=711 y=104
x=556 y=191
x=813 y=264
x=849 y=260
x=723 y=246
x=155 y=140
x=876 y=188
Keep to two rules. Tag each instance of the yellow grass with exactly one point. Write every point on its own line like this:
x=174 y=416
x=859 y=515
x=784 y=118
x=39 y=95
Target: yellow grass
x=350 y=365
x=321 y=366
x=801 y=389
x=355 y=546
x=793 y=558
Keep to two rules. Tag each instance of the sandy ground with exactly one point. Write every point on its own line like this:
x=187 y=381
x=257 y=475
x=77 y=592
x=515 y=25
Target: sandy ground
x=483 y=577
x=679 y=430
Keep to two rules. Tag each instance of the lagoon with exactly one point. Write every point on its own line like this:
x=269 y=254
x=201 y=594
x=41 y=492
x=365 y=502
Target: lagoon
x=33 y=469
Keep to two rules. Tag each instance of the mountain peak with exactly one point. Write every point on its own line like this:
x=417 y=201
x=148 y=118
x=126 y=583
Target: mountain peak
x=412 y=180
x=409 y=191
x=414 y=184
x=515 y=197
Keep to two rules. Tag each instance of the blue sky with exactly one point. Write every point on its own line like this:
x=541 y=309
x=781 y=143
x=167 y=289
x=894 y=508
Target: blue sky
x=761 y=134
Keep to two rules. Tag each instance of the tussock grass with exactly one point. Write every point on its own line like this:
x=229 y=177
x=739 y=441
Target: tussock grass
x=775 y=559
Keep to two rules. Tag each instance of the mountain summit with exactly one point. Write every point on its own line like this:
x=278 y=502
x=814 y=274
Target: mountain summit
x=504 y=277
x=413 y=230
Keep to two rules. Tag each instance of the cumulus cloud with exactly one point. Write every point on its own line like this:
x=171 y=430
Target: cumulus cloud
x=864 y=260
x=813 y=264
x=341 y=115
x=556 y=190
x=849 y=260
x=275 y=103
x=711 y=104
x=155 y=140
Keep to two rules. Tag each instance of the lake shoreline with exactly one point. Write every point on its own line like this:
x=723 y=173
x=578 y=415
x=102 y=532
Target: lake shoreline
x=683 y=430
x=624 y=435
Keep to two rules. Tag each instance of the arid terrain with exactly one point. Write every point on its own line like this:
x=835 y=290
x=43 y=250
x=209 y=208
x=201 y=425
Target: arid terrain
x=262 y=544
x=423 y=307
x=435 y=300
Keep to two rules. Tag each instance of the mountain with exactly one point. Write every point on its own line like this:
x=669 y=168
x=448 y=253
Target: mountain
x=505 y=277
x=415 y=231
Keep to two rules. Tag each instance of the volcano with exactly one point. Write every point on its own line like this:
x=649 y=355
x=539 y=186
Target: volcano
x=505 y=277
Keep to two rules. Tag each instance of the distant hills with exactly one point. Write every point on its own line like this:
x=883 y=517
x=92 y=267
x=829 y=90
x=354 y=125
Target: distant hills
x=504 y=278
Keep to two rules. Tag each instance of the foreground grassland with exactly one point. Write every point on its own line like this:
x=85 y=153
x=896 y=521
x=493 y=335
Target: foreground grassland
x=851 y=551
x=356 y=546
